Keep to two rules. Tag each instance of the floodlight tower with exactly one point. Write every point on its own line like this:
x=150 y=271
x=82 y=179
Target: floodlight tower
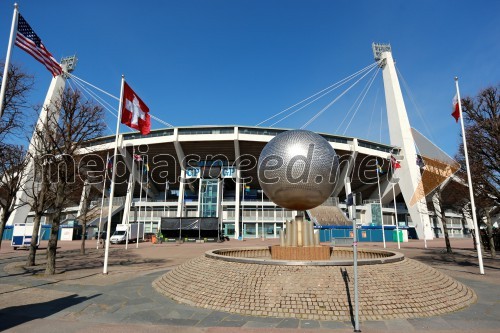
x=400 y=135
x=57 y=85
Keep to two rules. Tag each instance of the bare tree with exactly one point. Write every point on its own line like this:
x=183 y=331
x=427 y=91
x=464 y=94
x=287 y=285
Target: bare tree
x=19 y=84
x=482 y=126
x=59 y=140
x=39 y=195
x=12 y=167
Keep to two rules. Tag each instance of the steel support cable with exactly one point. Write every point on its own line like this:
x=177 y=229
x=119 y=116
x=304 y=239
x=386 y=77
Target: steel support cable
x=331 y=88
x=371 y=116
x=303 y=106
x=105 y=92
x=90 y=84
x=99 y=99
x=353 y=105
x=410 y=94
x=335 y=100
x=83 y=94
x=362 y=99
x=381 y=118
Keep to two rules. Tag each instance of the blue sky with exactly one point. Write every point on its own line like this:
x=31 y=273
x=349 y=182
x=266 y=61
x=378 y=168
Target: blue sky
x=239 y=62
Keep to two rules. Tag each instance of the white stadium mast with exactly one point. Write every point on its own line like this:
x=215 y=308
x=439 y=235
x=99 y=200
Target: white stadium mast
x=53 y=94
x=401 y=136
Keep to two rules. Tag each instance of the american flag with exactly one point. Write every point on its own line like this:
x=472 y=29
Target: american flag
x=29 y=41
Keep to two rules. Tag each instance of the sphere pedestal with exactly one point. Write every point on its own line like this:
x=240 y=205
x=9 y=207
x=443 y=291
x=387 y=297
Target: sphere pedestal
x=322 y=252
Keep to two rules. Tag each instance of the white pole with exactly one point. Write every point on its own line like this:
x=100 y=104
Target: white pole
x=151 y=217
x=355 y=263
x=140 y=195
x=145 y=210
x=242 y=213
x=396 y=215
x=130 y=188
x=422 y=202
x=471 y=193
x=140 y=199
x=7 y=59
x=380 y=201
x=99 y=228
x=165 y=203
x=263 y=234
x=112 y=190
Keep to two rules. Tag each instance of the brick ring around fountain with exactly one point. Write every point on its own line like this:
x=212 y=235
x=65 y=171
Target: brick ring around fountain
x=247 y=281
x=295 y=171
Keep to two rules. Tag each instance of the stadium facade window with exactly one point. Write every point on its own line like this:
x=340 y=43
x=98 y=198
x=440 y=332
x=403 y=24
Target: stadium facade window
x=210 y=130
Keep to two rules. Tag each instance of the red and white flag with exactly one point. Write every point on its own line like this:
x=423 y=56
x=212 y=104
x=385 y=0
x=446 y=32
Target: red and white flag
x=456 y=108
x=29 y=41
x=395 y=163
x=135 y=114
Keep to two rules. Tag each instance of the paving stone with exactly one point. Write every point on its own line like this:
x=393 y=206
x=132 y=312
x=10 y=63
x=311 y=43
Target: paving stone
x=309 y=324
x=177 y=322
x=328 y=324
x=431 y=323
x=260 y=324
x=224 y=323
x=289 y=323
x=405 y=289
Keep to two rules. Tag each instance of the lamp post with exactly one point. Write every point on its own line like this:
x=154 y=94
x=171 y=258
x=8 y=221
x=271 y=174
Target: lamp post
x=351 y=201
x=262 y=214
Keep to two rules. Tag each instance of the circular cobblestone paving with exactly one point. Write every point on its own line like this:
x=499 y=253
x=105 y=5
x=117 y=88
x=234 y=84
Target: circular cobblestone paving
x=401 y=289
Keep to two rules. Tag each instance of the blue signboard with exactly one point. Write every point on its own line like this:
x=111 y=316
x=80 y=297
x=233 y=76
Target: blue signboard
x=193 y=172
x=228 y=172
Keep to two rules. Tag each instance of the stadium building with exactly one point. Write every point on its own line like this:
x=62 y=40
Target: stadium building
x=207 y=176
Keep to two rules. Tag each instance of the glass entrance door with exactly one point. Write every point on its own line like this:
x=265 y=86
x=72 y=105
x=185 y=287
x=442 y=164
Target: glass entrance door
x=208 y=197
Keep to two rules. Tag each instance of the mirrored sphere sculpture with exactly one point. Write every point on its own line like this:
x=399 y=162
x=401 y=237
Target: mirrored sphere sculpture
x=297 y=169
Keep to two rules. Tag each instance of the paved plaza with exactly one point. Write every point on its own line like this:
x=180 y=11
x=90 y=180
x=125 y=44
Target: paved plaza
x=81 y=299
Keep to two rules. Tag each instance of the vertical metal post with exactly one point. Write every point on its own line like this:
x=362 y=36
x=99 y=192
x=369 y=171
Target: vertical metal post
x=3 y=89
x=396 y=215
x=355 y=264
x=380 y=201
x=262 y=196
x=469 y=180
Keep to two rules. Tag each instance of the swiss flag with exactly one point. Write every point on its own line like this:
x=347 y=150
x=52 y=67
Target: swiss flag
x=456 y=108
x=135 y=113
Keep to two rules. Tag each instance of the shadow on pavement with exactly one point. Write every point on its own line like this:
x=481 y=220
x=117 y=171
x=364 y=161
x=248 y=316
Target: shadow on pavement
x=346 y=278
x=463 y=258
x=17 y=315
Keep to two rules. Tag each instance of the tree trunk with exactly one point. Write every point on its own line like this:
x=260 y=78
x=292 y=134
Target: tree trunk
x=439 y=210
x=84 y=221
x=50 y=269
x=39 y=209
x=491 y=240
x=445 y=227
x=3 y=220
x=4 y=216
x=446 y=236
x=34 y=239
x=84 y=230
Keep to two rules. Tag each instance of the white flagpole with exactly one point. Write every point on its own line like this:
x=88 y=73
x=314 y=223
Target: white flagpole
x=165 y=203
x=112 y=186
x=471 y=193
x=140 y=200
x=130 y=188
x=395 y=209
x=396 y=215
x=380 y=201
x=145 y=207
x=99 y=228
x=7 y=59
